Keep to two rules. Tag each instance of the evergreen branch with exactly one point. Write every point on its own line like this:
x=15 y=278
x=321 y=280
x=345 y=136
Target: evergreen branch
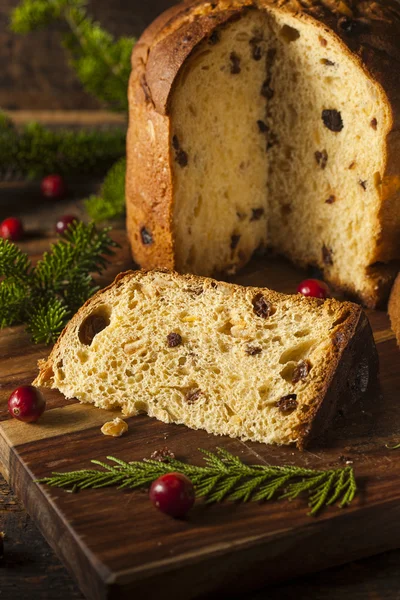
x=101 y=62
x=46 y=296
x=35 y=150
x=224 y=476
x=110 y=203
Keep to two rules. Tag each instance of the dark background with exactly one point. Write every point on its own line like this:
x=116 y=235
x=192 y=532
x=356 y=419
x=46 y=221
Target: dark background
x=34 y=73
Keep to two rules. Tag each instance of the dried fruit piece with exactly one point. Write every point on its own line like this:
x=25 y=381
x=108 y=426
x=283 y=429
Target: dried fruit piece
x=181 y=156
x=327 y=255
x=374 y=124
x=235 y=239
x=301 y=371
x=266 y=90
x=287 y=403
x=322 y=158
x=263 y=127
x=262 y=307
x=327 y=62
x=257 y=213
x=363 y=184
x=146 y=236
x=193 y=396
x=332 y=119
x=235 y=63
x=253 y=350
x=330 y=200
x=115 y=428
x=174 y=340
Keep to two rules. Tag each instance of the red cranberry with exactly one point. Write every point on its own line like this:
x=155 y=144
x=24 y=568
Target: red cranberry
x=26 y=403
x=53 y=186
x=314 y=288
x=173 y=494
x=64 y=222
x=11 y=229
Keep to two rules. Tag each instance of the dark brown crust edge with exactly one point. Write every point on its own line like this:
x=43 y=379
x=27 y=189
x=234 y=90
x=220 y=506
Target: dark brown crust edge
x=357 y=373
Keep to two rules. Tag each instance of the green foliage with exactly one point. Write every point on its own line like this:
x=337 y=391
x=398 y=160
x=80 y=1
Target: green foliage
x=224 y=477
x=110 y=203
x=36 y=151
x=101 y=62
x=46 y=296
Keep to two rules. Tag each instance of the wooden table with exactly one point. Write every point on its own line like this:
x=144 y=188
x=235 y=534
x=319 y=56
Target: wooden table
x=31 y=571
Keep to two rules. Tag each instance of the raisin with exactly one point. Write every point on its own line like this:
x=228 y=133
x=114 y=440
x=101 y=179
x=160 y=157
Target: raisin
x=263 y=127
x=287 y=403
x=327 y=62
x=301 y=371
x=286 y=209
x=322 y=41
x=374 y=124
x=162 y=455
x=181 y=156
x=193 y=396
x=235 y=239
x=352 y=165
x=363 y=184
x=214 y=38
x=330 y=200
x=262 y=307
x=322 y=158
x=327 y=255
x=257 y=213
x=332 y=120
x=273 y=140
x=174 y=340
x=256 y=49
x=266 y=90
x=253 y=350
x=235 y=63
x=147 y=238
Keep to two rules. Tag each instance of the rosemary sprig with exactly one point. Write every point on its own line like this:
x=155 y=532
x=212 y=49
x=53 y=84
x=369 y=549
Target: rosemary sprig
x=224 y=477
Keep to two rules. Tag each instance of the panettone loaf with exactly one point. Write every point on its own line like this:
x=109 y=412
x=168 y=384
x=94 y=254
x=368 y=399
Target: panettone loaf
x=243 y=362
x=268 y=123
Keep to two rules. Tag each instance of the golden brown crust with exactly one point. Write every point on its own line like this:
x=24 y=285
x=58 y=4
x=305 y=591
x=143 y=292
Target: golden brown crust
x=370 y=33
x=394 y=308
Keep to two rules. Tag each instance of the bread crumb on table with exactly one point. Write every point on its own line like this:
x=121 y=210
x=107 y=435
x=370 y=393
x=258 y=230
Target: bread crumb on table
x=115 y=428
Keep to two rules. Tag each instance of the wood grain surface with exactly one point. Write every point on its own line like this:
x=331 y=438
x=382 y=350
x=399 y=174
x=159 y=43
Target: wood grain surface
x=115 y=543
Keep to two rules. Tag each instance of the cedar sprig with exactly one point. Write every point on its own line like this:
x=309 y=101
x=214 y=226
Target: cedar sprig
x=46 y=296
x=35 y=150
x=101 y=62
x=223 y=477
x=110 y=202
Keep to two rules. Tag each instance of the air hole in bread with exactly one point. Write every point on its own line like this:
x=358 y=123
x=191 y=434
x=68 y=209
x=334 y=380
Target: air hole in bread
x=289 y=34
x=141 y=406
x=287 y=372
x=297 y=353
x=302 y=333
x=94 y=324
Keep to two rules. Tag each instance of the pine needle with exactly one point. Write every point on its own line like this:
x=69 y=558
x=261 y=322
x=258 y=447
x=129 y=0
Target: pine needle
x=45 y=297
x=224 y=477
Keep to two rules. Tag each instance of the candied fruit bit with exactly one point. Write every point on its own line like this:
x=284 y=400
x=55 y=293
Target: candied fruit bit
x=115 y=428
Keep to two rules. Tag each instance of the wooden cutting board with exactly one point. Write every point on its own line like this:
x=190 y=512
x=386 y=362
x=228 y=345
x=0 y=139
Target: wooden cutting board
x=116 y=544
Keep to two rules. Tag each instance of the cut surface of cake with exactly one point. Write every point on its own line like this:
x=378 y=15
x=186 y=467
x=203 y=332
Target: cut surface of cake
x=268 y=124
x=237 y=361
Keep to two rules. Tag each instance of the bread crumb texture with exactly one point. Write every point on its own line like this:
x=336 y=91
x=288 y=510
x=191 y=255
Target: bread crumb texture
x=278 y=138
x=243 y=362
